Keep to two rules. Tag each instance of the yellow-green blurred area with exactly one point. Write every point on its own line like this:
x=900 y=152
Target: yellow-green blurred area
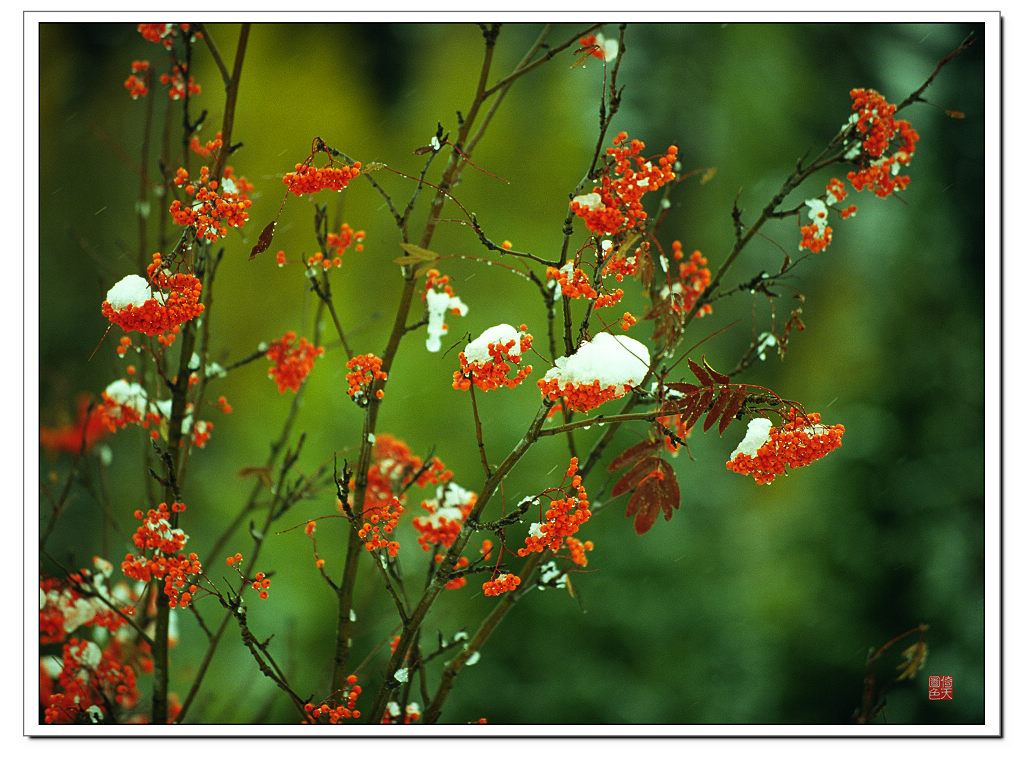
x=754 y=604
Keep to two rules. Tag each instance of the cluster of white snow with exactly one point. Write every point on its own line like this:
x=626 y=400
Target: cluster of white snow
x=609 y=359
x=757 y=435
x=438 y=303
x=133 y=290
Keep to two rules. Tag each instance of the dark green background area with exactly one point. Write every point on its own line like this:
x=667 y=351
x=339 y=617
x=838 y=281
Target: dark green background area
x=755 y=604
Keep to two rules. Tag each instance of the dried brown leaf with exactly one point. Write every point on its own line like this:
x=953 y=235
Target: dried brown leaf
x=262 y=472
x=266 y=237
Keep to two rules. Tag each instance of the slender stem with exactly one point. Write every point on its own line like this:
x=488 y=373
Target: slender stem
x=346 y=591
x=142 y=210
x=552 y=52
x=230 y=102
x=915 y=96
x=601 y=420
x=487 y=627
x=479 y=429
x=524 y=61
x=327 y=298
x=215 y=53
x=179 y=395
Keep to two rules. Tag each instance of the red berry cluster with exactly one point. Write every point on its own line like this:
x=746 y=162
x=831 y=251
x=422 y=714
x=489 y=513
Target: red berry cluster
x=614 y=204
x=156 y=538
x=161 y=315
x=494 y=373
x=503 y=583
x=799 y=442
x=563 y=516
x=382 y=520
x=215 y=206
x=307 y=179
x=333 y=712
x=879 y=132
x=694 y=278
x=363 y=371
x=292 y=362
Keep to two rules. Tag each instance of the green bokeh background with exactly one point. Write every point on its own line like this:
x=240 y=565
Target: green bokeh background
x=755 y=604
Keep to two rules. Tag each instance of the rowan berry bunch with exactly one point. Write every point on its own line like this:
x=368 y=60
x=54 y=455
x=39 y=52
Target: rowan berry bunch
x=693 y=279
x=137 y=82
x=502 y=583
x=382 y=520
x=439 y=298
x=170 y=37
x=562 y=519
x=292 y=361
x=600 y=370
x=615 y=203
x=767 y=452
x=477 y=541
x=88 y=679
x=337 y=244
x=880 y=145
x=343 y=708
x=487 y=361
x=307 y=179
x=363 y=370
x=159 y=556
x=214 y=205
x=176 y=83
x=156 y=305
x=446 y=515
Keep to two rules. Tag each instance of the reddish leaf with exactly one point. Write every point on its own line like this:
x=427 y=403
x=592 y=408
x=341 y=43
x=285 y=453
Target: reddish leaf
x=717 y=408
x=686 y=388
x=672 y=408
x=685 y=403
x=635 y=476
x=630 y=455
x=653 y=495
x=701 y=405
x=648 y=511
x=670 y=491
x=698 y=372
x=729 y=415
x=721 y=379
x=668 y=324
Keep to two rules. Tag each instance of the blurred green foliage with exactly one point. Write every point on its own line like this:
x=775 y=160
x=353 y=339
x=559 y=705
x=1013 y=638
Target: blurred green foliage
x=755 y=604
